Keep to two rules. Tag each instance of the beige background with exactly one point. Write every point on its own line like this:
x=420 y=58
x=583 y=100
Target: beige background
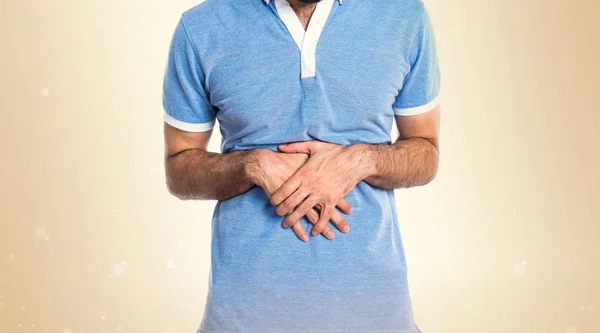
x=505 y=239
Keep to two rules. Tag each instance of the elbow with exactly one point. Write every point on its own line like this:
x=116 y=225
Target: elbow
x=432 y=171
x=180 y=192
x=430 y=177
x=173 y=181
x=173 y=189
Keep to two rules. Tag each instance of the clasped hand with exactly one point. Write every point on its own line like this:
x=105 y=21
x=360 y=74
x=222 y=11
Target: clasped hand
x=308 y=174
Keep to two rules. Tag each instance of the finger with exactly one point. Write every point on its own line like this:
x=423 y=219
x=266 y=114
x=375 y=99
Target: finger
x=288 y=205
x=339 y=221
x=344 y=206
x=297 y=147
x=300 y=232
x=288 y=187
x=300 y=211
x=313 y=217
x=324 y=215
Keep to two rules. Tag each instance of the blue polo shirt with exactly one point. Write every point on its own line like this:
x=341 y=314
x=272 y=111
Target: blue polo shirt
x=250 y=65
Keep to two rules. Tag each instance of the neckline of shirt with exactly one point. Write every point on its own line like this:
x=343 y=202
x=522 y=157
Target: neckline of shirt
x=306 y=40
x=267 y=1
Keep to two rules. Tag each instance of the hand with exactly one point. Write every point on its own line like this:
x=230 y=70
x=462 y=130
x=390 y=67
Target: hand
x=330 y=173
x=269 y=169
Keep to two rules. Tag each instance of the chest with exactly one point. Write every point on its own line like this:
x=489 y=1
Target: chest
x=268 y=71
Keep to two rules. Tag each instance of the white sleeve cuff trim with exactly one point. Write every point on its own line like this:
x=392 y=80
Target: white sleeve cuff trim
x=188 y=127
x=417 y=109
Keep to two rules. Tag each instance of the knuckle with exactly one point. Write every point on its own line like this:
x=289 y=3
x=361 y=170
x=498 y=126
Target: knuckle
x=329 y=200
x=303 y=172
x=289 y=220
x=280 y=211
x=292 y=219
x=274 y=200
x=288 y=205
x=321 y=199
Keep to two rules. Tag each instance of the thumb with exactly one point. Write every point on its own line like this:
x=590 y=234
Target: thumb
x=296 y=147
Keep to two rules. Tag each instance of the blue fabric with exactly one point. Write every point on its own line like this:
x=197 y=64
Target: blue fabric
x=235 y=61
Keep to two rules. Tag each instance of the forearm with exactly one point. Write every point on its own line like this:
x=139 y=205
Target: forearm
x=197 y=174
x=405 y=163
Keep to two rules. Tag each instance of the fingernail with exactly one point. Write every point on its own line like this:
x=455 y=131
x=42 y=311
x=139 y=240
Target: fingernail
x=304 y=237
x=314 y=232
x=346 y=228
x=330 y=234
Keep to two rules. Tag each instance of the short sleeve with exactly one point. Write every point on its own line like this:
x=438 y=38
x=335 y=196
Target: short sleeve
x=420 y=92
x=185 y=100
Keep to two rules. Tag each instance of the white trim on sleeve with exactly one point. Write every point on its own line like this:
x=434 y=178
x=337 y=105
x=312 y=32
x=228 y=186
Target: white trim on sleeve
x=417 y=109
x=188 y=127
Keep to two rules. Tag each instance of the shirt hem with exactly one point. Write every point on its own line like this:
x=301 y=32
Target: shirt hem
x=414 y=330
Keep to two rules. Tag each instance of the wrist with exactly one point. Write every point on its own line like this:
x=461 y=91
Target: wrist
x=252 y=169
x=366 y=164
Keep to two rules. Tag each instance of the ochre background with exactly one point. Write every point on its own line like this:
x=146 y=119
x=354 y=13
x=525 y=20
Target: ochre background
x=504 y=240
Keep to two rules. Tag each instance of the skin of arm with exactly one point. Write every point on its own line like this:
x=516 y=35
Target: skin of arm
x=193 y=173
x=412 y=160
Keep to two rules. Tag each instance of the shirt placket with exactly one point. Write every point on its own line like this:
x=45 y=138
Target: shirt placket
x=305 y=40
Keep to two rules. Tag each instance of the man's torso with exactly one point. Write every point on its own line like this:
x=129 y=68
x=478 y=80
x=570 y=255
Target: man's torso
x=263 y=278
